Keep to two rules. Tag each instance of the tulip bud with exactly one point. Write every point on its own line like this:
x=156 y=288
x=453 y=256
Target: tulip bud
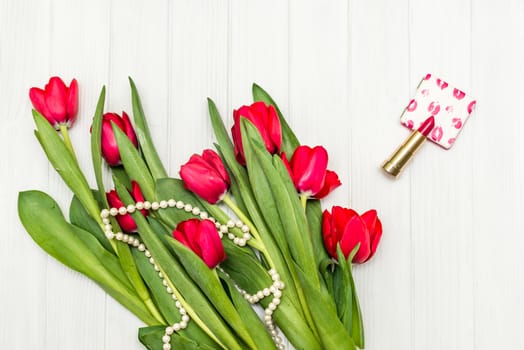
x=110 y=150
x=206 y=176
x=347 y=228
x=308 y=170
x=265 y=119
x=126 y=222
x=201 y=236
x=56 y=102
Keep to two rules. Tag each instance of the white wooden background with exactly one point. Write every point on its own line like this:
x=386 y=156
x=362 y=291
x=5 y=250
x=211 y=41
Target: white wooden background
x=449 y=271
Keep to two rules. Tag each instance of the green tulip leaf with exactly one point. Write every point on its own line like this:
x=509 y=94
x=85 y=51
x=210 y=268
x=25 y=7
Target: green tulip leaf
x=332 y=332
x=144 y=136
x=194 y=301
x=289 y=140
x=79 y=217
x=314 y=217
x=96 y=144
x=151 y=338
x=44 y=221
x=210 y=285
x=134 y=164
x=65 y=164
x=249 y=317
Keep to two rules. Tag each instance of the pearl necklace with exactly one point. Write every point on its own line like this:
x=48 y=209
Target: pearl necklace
x=275 y=289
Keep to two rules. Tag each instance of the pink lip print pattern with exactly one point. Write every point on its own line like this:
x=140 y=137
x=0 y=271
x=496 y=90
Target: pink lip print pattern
x=412 y=105
x=442 y=84
x=457 y=123
x=450 y=106
x=471 y=106
x=436 y=133
x=459 y=95
x=434 y=108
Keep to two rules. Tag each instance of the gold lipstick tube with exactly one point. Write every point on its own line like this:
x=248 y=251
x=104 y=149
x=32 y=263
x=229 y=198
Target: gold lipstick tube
x=403 y=154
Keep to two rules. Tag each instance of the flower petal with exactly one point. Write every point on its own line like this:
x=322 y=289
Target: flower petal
x=331 y=181
x=72 y=101
x=56 y=99
x=37 y=97
x=356 y=232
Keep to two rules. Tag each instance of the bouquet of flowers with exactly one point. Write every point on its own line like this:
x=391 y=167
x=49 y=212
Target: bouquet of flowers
x=235 y=254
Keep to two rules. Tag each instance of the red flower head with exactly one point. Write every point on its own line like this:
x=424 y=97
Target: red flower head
x=201 y=236
x=347 y=228
x=266 y=120
x=308 y=170
x=206 y=176
x=126 y=222
x=109 y=146
x=56 y=102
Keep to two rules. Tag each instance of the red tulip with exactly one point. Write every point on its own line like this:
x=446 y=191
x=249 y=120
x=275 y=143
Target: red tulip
x=201 y=236
x=57 y=102
x=347 y=228
x=266 y=120
x=126 y=222
x=206 y=176
x=109 y=146
x=308 y=170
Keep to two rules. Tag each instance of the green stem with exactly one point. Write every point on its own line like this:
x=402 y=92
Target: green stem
x=257 y=242
x=303 y=201
x=67 y=140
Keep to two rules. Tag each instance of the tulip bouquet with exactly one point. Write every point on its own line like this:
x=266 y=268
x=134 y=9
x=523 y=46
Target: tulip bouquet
x=233 y=255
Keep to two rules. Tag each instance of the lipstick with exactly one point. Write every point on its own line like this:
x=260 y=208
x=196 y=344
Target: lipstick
x=407 y=150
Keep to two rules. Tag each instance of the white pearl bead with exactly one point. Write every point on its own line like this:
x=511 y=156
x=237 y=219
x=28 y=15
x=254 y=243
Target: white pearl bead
x=136 y=243
x=166 y=338
x=131 y=208
x=141 y=247
x=155 y=266
x=119 y=236
x=108 y=227
x=183 y=325
x=122 y=210
x=241 y=242
x=160 y=275
x=272 y=306
x=176 y=327
x=155 y=205
x=268 y=312
x=185 y=318
x=231 y=236
x=188 y=207
x=163 y=204
x=196 y=211
x=203 y=215
x=152 y=261
x=166 y=347
x=104 y=213
x=164 y=282
x=171 y=203
x=113 y=211
x=139 y=205
x=178 y=305
x=169 y=330
x=230 y=224
x=275 y=277
x=247 y=236
x=212 y=219
x=239 y=224
x=182 y=311
x=245 y=228
x=106 y=221
x=147 y=253
x=110 y=235
x=147 y=205
x=223 y=228
x=180 y=204
x=266 y=292
x=236 y=240
x=276 y=301
x=169 y=290
x=125 y=238
x=260 y=295
x=173 y=296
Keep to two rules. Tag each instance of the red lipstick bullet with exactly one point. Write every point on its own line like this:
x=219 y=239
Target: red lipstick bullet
x=407 y=150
